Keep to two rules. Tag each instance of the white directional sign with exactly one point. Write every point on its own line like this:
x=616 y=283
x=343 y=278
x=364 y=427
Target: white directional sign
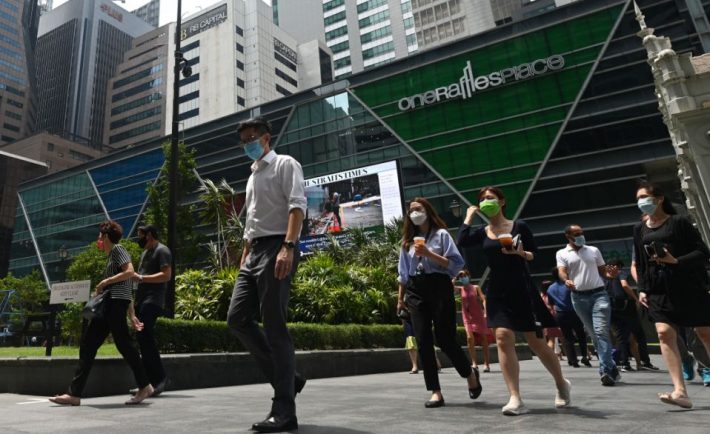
x=70 y=292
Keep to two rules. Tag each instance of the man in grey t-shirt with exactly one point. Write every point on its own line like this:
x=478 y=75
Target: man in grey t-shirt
x=154 y=270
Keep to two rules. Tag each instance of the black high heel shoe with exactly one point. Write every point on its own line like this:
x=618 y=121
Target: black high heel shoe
x=476 y=391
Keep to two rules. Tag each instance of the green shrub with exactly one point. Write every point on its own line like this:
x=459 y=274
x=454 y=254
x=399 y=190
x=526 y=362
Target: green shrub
x=180 y=336
x=200 y=295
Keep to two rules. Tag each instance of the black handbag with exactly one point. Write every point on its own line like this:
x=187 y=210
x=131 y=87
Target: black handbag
x=95 y=308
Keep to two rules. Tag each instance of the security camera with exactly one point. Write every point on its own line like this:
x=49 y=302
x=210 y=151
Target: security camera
x=186 y=71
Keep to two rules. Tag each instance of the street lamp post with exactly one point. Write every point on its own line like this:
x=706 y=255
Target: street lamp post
x=63 y=255
x=181 y=65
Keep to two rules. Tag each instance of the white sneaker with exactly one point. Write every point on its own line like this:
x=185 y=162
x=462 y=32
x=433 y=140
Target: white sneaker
x=563 y=398
x=515 y=408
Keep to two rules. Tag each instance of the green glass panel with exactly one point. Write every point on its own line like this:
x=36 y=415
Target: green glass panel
x=500 y=135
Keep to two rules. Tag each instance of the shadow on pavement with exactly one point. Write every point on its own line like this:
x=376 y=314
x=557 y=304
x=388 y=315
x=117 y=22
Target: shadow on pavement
x=117 y=406
x=318 y=429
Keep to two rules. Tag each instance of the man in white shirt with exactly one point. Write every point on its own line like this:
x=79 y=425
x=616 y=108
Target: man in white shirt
x=275 y=205
x=581 y=268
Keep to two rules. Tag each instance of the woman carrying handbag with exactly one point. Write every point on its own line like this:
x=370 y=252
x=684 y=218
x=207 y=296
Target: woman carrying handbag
x=112 y=320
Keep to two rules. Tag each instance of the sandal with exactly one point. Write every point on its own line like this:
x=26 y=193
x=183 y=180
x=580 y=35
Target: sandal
x=681 y=401
x=66 y=400
x=142 y=394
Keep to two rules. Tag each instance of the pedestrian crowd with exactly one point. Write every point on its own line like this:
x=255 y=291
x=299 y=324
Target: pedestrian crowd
x=586 y=296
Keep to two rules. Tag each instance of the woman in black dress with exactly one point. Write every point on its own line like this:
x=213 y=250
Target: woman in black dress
x=671 y=259
x=513 y=303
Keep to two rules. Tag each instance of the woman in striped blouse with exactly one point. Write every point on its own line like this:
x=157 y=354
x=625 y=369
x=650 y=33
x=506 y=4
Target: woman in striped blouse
x=117 y=281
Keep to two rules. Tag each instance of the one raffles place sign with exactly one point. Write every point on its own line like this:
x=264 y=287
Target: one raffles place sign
x=70 y=292
x=469 y=84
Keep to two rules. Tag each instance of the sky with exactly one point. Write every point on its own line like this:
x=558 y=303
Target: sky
x=168 y=8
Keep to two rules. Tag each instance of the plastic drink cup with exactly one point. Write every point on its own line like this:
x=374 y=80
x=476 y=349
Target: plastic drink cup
x=506 y=240
x=419 y=241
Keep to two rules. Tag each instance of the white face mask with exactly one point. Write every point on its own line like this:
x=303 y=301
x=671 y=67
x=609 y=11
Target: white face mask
x=418 y=217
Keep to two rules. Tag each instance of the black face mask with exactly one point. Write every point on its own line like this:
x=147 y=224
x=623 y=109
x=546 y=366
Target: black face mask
x=142 y=241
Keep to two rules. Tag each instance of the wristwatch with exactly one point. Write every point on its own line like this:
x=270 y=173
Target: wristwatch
x=289 y=244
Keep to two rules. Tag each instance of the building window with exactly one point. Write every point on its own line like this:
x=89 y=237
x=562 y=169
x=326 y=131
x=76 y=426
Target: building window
x=376 y=51
x=136 y=90
x=343 y=46
x=285 y=61
x=134 y=132
x=13 y=115
x=340 y=16
x=50 y=147
x=191 y=79
x=136 y=117
x=333 y=34
x=341 y=63
x=136 y=103
x=240 y=83
x=11 y=127
x=241 y=101
x=79 y=156
x=283 y=91
x=372 y=4
x=240 y=65
x=189 y=114
x=240 y=48
x=240 y=31
x=332 y=5
x=137 y=76
x=14 y=103
x=374 y=19
x=189 y=96
x=375 y=35
x=286 y=77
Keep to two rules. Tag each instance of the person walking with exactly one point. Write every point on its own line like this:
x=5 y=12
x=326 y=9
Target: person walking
x=552 y=334
x=572 y=328
x=275 y=206
x=582 y=267
x=154 y=271
x=671 y=258
x=473 y=312
x=625 y=319
x=512 y=302
x=428 y=260
x=117 y=273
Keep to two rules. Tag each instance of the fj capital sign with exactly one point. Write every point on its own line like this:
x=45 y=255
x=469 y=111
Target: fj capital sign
x=468 y=84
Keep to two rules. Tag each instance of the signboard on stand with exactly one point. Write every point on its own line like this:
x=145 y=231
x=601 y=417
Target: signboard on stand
x=70 y=292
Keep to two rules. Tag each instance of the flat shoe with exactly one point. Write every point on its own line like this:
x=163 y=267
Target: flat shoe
x=563 y=398
x=140 y=397
x=476 y=391
x=434 y=404
x=414 y=371
x=487 y=369
x=682 y=401
x=515 y=410
x=66 y=400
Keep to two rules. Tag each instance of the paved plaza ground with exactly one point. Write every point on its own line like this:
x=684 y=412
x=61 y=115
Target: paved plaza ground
x=384 y=403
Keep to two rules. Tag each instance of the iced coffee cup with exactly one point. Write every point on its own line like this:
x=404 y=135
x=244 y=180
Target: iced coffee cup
x=419 y=241
x=506 y=240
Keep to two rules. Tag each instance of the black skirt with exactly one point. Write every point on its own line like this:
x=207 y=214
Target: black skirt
x=689 y=308
x=519 y=311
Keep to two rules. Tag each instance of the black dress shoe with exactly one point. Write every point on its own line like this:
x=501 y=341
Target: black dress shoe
x=299 y=382
x=434 y=404
x=276 y=424
x=476 y=391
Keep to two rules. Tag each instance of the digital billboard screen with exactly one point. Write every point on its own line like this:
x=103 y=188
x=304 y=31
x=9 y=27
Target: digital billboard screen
x=366 y=197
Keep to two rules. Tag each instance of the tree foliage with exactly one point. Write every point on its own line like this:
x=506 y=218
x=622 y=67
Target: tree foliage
x=159 y=202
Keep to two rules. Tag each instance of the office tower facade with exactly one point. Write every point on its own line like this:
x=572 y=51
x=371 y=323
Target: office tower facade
x=149 y=12
x=441 y=21
x=139 y=92
x=79 y=46
x=238 y=58
x=18 y=35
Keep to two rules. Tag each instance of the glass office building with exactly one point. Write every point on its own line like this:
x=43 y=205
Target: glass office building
x=558 y=110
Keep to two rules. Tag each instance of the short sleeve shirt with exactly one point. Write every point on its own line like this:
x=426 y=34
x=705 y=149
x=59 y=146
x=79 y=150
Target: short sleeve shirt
x=117 y=258
x=582 y=266
x=152 y=262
